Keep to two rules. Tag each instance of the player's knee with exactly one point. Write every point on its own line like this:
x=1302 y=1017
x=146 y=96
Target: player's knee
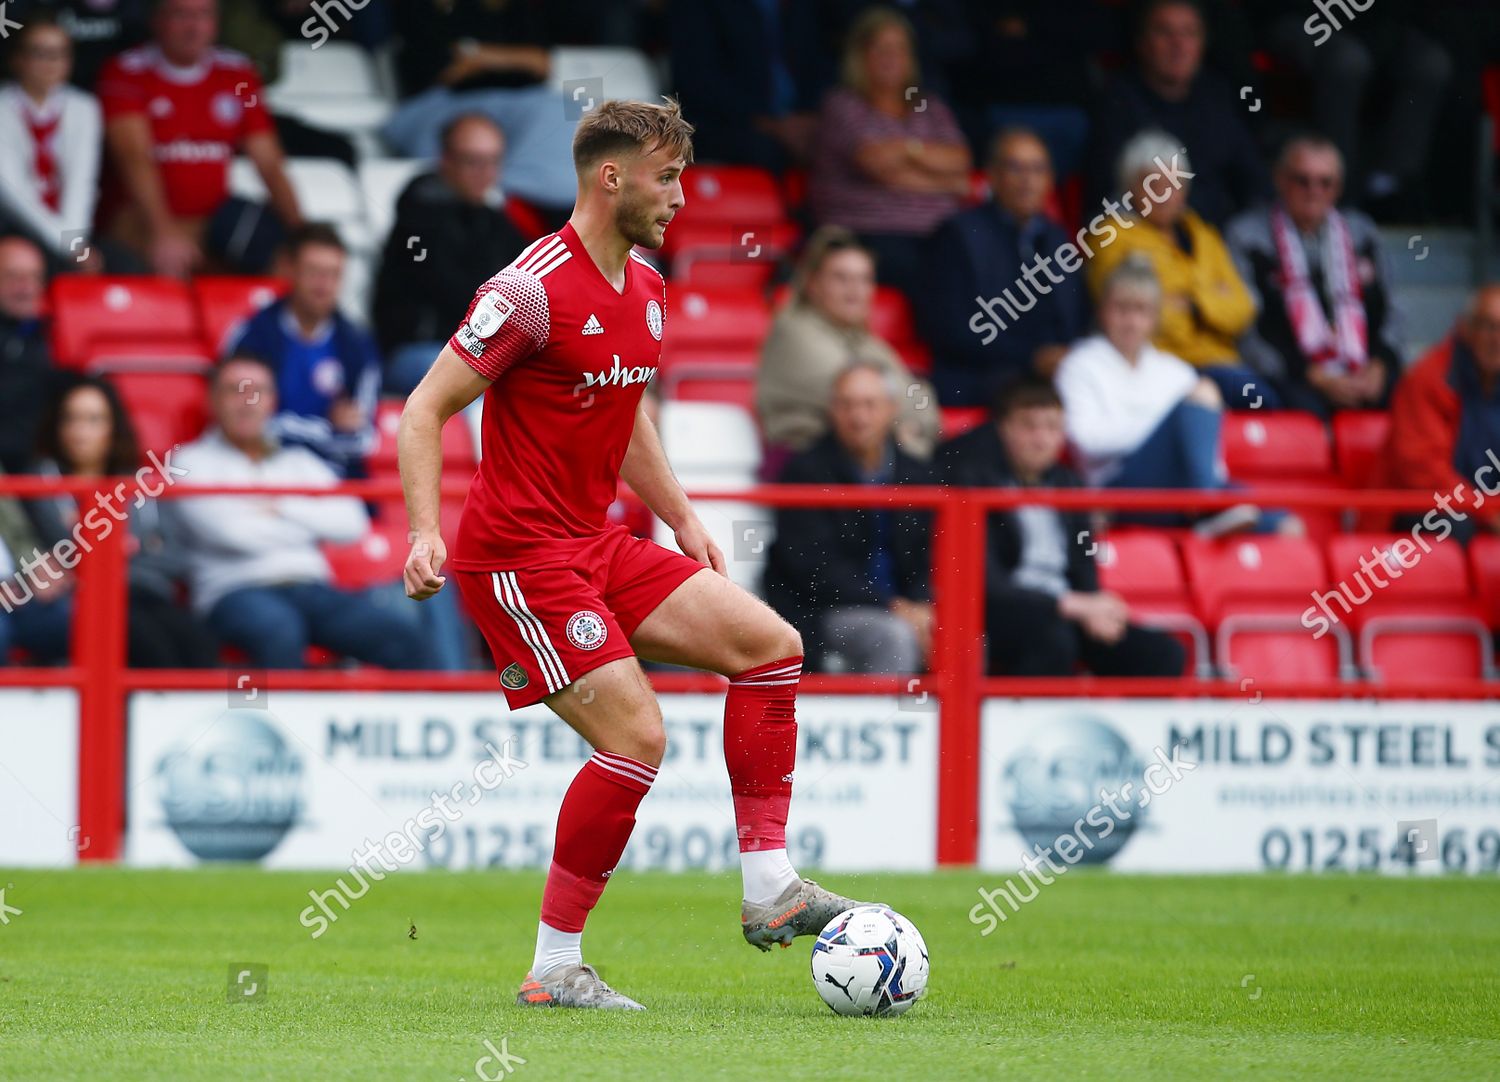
x=645 y=740
x=788 y=642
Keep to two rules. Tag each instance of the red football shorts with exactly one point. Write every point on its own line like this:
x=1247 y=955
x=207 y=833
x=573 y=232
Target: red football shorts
x=555 y=619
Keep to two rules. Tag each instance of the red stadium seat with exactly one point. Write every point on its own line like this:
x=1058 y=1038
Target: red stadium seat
x=460 y=456
x=757 y=242
x=1253 y=573
x=734 y=194
x=89 y=308
x=225 y=301
x=373 y=560
x=959 y=419
x=1358 y=437
x=1279 y=652
x=1426 y=623
x=676 y=359
x=146 y=355
x=704 y=320
x=698 y=269
x=1484 y=562
x=735 y=389
x=1276 y=446
x=891 y=320
x=1142 y=566
x=166 y=409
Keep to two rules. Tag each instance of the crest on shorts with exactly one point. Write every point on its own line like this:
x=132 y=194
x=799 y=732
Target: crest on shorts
x=653 y=319
x=586 y=630
x=514 y=677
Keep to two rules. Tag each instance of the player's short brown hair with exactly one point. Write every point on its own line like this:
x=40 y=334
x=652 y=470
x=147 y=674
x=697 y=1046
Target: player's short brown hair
x=626 y=127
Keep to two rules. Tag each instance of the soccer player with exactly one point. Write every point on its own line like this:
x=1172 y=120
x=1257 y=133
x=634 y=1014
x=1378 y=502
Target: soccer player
x=562 y=343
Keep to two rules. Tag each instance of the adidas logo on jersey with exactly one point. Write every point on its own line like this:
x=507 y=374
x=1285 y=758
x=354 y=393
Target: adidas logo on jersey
x=593 y=326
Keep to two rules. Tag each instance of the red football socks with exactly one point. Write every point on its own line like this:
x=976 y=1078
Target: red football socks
x=597 y=816
x=760 y=749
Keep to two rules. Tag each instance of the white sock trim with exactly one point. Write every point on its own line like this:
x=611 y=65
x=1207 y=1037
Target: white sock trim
x=555 y=948
x=767 y=874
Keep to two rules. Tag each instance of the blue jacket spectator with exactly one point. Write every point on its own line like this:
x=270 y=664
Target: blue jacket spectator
x=980 y=253
x=327 y=368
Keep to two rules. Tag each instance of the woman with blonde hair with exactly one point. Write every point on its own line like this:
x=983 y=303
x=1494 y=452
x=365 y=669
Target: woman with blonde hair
x=889 y=161
x=822 y=327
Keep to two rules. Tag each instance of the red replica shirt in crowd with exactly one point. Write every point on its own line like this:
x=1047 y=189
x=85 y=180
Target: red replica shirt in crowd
x=570 y=358
x=198 y=116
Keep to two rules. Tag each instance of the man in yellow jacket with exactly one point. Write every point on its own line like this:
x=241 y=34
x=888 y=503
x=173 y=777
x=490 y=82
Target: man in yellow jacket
x=1205 y=305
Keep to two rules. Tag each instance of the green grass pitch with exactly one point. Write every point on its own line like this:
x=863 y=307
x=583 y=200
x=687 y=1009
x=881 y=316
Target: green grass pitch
x=123 y=974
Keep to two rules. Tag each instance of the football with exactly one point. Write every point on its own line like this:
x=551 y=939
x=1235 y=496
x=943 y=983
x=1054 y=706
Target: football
x=870 y=960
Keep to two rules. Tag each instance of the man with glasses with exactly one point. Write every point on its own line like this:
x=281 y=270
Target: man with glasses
x=461 y=230
x=983 y=250
x=1328 y=334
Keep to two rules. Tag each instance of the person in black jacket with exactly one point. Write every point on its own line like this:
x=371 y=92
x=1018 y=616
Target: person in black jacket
x=855 y=582
x=27 y=375
x=462 y=236
x=1000 y=248
x=1045 y=612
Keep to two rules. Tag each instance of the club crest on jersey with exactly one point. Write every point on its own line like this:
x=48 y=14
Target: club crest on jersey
x=490 y=314
x=653 y=319
x=587 y=630
x=514 y=677
x=618 y=376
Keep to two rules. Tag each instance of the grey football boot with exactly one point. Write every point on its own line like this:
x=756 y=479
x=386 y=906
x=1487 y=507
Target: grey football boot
x=803 y=909
x=573 y=986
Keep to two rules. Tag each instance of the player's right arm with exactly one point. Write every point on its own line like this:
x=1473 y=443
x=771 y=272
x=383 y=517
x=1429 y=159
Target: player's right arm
x=508 y=321
x=449 y=386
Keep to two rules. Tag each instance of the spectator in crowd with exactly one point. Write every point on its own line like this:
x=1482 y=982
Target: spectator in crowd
x=456 y=214
x=1377 y=56
x=1445 y=420
x=1030 y=65
x=1138 y=417
x=980 y=251
x=26 y=372
x=87 y=434
x=824 y=325
x=889 y=162
x=1046 y=613
x=257 y=573
x=99 y=29
x=1205 y=305
x=175 y=112
x=854 y=582
x=474 y=56
x=327 y=368
x=49 y=172
x=1169 y=88
x=17 y=542
x=1328 y=333
x=754 y=74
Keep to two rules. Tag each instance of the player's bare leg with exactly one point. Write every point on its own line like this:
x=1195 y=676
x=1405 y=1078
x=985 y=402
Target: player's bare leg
x=615 y=710
x=710 y=623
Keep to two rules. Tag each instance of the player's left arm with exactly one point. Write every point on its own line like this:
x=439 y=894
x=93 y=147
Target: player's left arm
x=650 y=476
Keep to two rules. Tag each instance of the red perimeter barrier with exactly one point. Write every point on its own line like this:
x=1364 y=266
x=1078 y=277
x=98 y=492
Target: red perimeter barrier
x=103 y=683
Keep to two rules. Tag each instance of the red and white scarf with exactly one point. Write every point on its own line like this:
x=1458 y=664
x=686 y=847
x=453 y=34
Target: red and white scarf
x=1344 y=343
x=43 y=124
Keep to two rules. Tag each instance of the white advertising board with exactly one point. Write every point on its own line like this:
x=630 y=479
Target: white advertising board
x=305 y=780
x=39 y=777
x=1202 y=785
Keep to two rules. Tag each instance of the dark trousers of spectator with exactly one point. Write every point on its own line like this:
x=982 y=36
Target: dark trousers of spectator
x=275 y=625
x=1034 y=640
x=161 y=634
x=1413 y=67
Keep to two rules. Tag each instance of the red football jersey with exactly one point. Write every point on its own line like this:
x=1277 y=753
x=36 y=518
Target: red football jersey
x=570 y=358
x=198 y=117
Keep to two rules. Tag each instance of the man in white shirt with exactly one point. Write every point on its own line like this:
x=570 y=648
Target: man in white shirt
x=257 y=572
